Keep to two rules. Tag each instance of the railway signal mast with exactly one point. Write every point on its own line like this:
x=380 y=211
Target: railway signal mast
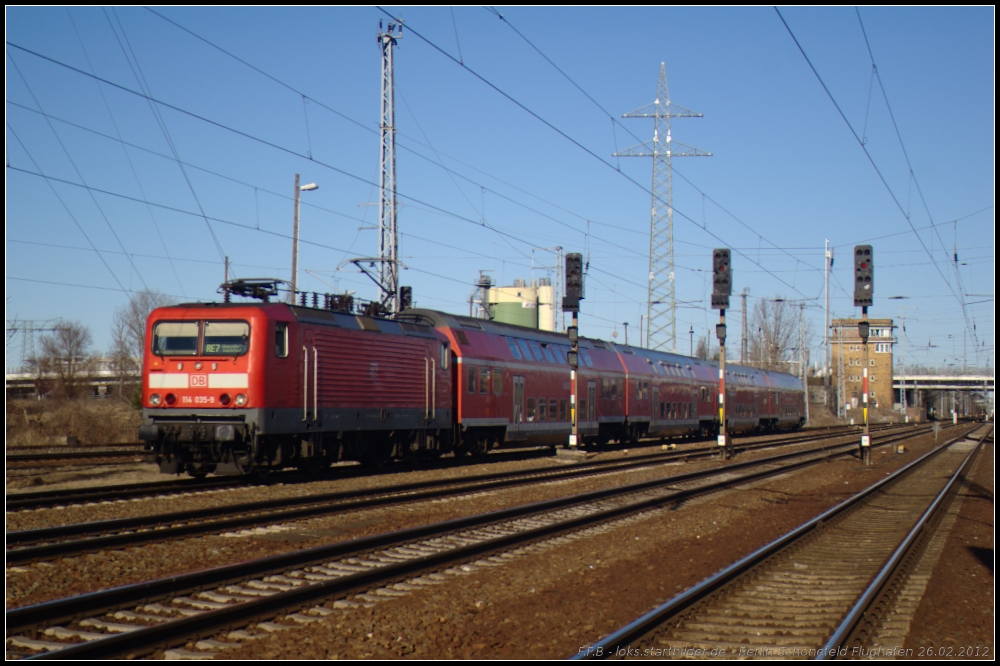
x=864 y=289
x=722 y=287
x=571 y=303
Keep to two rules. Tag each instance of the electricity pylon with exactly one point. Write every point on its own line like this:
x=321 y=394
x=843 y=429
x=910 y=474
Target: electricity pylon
x=661 y=307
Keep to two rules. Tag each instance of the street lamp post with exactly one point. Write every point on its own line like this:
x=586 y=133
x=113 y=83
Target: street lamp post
x=295 y=236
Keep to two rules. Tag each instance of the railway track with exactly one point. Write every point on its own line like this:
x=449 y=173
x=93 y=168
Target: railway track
x=298 y=588
x=74 y=539
x=54 y=498
x=817 y=591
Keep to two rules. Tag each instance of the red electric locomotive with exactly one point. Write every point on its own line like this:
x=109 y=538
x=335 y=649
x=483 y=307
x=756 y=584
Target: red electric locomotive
x=230 y=388
x=234 y=388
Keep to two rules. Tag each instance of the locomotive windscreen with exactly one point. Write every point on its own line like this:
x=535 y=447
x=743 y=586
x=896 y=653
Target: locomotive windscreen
x=175 y=338
x=226 y=338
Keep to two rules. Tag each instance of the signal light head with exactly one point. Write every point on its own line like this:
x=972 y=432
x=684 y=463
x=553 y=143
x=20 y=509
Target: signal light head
x=864 y=275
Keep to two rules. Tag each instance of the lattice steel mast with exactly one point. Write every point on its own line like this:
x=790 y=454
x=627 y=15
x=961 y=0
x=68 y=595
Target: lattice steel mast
x=388 y=234
x=661 y=309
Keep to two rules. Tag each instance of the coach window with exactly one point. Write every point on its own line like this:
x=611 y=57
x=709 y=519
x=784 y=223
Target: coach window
x=553 y=410
x=484 y=380
x=497 y=381
x=470 y=379
x=548 y=353
x=226 y=338
x=537 y=348
x=562 y=409
x=531 y=410
x=175 y=338
x=561 y=353
x=543 y=408
x=281 y=340
x=444 y=357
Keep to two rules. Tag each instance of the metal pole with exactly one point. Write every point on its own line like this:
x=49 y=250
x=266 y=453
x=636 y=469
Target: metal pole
x=827 y=364
x=743 y=337
x=574 y=439
x=723 y=433
x=802 y=355
x=295 y=244
x=865 y=439
x=691 y=335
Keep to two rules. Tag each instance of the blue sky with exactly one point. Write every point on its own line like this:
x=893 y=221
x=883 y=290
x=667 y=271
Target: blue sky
x=484 y=183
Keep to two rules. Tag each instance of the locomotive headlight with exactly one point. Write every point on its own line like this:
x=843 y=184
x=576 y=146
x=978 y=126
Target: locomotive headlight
x=241 y=399
x=154 y=399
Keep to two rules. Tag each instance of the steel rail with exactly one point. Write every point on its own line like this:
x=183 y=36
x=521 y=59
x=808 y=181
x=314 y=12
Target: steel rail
x=21 y=619
x=327 y=503
x=608 y=646
x=849 y=627
x=50 y=498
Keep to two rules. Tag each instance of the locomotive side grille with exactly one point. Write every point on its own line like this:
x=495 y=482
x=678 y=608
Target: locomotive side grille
x=384 y=371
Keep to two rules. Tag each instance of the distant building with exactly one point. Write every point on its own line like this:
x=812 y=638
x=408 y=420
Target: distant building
x=848 y=363
x=532 y=305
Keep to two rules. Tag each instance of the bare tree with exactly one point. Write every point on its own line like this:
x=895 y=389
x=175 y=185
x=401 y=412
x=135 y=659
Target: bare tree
x=702 y=350
x=65 y=360
x=128 y=335
x=772 y=333
x=705 y=350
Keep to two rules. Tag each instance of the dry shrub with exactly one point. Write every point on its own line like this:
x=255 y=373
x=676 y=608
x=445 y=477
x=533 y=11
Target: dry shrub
x=88 y=421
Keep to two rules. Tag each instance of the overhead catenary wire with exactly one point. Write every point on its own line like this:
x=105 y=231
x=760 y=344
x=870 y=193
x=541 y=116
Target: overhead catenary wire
x=615 y=123
x=871 y=160
x=75 y=168
x=579 y=145
x=128 y=157
x=140 y=78
x=374 y=131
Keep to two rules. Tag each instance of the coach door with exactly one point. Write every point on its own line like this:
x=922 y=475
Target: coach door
x=591 y=401
x=656 y=405
x=517 y=430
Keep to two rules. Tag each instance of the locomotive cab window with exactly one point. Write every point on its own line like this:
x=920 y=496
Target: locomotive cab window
x=444 y=357
x=175 y=338
x=226 y=338
x=281 y=340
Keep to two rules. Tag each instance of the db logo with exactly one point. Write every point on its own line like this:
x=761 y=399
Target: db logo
x=198 y=381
